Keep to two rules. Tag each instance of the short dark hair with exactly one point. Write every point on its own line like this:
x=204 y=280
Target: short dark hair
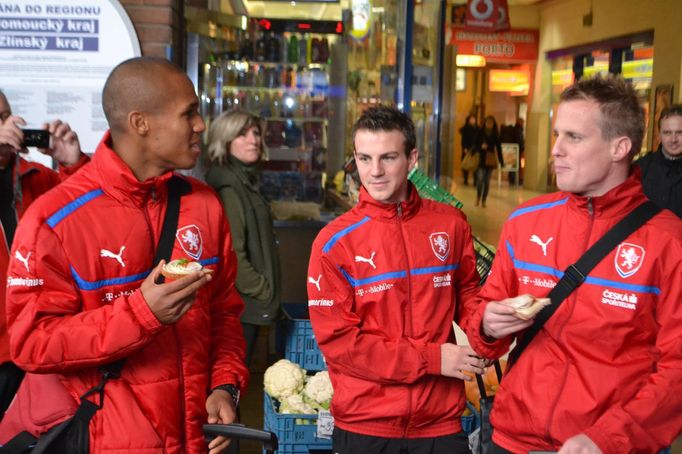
x=386 y=118
x=671 y=111
x=134 y=84
x=619 y=105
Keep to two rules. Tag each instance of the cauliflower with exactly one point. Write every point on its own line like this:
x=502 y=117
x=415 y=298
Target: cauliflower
x=318 y=390
x=284 y=379
x=295 y=405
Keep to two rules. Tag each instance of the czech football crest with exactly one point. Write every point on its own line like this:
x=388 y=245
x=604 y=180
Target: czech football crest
x=440 y=244
x=190 y=240
x=629 y=258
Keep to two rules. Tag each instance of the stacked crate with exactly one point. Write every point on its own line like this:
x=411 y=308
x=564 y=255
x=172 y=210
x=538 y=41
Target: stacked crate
x=297 y=433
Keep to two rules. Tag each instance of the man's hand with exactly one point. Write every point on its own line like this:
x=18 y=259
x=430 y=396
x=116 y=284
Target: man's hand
x=499 y=320
x=454 y=359
x=221 y=410
x=65 y=146
x=579 y=444
x=10 y=132
x=171 y=300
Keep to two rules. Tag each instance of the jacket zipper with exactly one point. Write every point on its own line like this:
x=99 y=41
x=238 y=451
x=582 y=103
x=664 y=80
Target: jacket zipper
x=399 y=210
x=590 y=211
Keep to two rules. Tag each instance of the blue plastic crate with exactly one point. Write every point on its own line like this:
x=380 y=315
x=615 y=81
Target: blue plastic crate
x=471 y=422
x=292 y=437
x=300 y=345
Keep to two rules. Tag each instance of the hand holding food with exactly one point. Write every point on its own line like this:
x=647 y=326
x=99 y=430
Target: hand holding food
x=176 y=269
x=527 y=306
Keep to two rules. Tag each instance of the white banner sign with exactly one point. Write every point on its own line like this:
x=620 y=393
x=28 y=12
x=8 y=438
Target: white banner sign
x=55 y=56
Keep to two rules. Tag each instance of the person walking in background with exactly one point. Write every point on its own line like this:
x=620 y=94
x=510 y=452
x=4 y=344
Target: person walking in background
x=21 y=182
x=662 y=170
x=468 y=133
x=490 y=155
x=235 y=151
x=82 y=293
x=385 y=282
x=604 y=372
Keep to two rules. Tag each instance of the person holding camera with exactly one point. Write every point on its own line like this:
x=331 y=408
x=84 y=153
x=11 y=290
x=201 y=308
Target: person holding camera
x=21 y=182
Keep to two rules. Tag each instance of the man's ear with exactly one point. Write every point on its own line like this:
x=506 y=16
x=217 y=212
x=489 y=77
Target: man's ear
x=412 y=158
x=138 y=123
x=621 y=148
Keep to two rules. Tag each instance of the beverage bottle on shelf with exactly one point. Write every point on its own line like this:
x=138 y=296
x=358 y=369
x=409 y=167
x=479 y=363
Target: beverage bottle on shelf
x=273 y=47
x=276 y=105
x=246 y=47
x=266 y=106
x=261 y=46
x=315 y=50
x=292 y=52
x=283 y=48
x=303 y=80
x=324 y=51
x=260 y=77
x=303 y=50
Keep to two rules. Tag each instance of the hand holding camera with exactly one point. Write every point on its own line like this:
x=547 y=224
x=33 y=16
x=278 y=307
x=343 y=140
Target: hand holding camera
x=64 y=146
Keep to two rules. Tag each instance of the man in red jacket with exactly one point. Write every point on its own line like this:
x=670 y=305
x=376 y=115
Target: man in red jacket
x=84 y=294
x=385 y=282
x=21 y=182
x=604 y=374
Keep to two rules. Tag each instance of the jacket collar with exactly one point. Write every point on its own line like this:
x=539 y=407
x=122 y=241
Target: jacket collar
x=389 y=211
x=119 y=182
x=617 y=202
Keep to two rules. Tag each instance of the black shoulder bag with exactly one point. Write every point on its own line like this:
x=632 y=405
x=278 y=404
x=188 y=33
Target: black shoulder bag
x=573 y=277
x=72 y=435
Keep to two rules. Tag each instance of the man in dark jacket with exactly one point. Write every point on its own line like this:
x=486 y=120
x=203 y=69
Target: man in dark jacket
x=662 y=171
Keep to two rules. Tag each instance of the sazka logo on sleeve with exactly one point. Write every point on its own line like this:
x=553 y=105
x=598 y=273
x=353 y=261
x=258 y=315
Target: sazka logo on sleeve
x=440 y=244
x=190 y=240
x=629 y=258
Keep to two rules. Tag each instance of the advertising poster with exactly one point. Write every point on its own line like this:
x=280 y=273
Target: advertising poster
x=55 y=56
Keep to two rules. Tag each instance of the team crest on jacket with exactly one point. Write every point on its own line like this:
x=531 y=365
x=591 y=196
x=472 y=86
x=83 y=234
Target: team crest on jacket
x=190 y=240
x=440 y=244
x=629 y=258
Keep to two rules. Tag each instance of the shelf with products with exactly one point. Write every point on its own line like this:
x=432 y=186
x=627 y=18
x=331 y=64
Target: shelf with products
x=282 y=74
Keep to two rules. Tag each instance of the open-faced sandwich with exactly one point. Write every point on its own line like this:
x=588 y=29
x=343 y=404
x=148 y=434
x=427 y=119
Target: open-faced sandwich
x=527 y=306
x=176 y=269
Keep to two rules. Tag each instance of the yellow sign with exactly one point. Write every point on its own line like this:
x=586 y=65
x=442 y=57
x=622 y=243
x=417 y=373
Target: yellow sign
x=562 y=77
x=638 y=68
x=361 y=11
x=509 y=80
x=470 y=61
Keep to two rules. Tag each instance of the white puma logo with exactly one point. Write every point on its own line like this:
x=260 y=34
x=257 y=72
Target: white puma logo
x=111 y=255
x=24 y=260
x=535 y=239
x=316 y=283
x=369 y=260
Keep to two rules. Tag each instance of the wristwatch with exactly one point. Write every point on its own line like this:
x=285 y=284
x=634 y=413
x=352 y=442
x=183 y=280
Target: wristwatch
x=233 y=390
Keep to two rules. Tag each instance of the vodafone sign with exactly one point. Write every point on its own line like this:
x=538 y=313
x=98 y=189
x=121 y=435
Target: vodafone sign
x=487 y=15
x=511 y=46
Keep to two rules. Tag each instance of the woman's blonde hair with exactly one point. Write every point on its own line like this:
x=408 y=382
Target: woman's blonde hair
x=224 y=129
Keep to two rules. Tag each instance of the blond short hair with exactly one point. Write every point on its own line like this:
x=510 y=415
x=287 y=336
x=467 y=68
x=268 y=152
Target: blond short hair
x=224 y=129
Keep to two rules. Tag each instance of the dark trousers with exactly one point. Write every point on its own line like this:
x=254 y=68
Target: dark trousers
x=483 y=175
x=345 y=442
x=250 y=336
x=495 y=449
x=10 y=379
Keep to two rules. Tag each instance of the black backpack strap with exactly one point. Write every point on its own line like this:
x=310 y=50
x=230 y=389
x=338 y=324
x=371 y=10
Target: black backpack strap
x=177 y=187
x=575 y=274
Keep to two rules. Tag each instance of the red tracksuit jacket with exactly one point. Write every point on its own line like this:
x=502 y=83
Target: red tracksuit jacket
x=383 y=284
x=31 y=180
x=74 y=304
x=608 y=363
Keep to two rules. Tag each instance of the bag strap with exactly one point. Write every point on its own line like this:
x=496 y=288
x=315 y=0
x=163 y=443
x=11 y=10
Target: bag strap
x=479 y=379
x=177 y=187
x=576 y=274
